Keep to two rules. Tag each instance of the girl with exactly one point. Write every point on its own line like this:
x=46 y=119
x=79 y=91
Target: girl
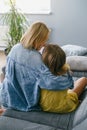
x=64 y=100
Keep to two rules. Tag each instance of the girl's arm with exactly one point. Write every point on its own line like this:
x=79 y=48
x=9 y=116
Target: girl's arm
x=47 y=80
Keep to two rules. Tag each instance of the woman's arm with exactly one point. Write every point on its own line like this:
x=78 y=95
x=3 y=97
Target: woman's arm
x=47 y=80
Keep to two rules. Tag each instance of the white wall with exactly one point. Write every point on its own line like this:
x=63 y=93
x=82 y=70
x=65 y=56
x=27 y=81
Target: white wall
x=68 y=21
x=3 y=31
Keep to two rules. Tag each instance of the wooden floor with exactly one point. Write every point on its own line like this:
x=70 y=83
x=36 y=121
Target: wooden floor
x=2 y=59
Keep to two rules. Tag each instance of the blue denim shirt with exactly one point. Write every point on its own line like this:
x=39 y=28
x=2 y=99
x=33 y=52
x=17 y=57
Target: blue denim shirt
x=25 y=75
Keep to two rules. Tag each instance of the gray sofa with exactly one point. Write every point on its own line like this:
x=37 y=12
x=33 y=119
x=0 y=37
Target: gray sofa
x=76 y=120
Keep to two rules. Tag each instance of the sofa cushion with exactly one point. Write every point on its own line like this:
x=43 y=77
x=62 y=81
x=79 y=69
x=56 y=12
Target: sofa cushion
x=79 y=74
x=8 y=123
x=78 y=63
x=72 y=50
x=60 y=121
x=81 y=112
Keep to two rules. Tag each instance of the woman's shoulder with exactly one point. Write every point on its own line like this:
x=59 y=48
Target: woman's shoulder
x=18 y=45
x=18 y=52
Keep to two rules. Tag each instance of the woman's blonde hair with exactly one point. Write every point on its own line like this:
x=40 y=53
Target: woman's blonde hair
x=35 y=35
x=55 y=59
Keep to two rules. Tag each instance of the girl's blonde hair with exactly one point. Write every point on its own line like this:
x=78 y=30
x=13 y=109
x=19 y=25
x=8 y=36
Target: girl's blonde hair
x=35 y=36
x=55 y=59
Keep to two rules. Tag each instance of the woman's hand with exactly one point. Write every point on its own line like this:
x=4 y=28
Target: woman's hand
x=2 y=110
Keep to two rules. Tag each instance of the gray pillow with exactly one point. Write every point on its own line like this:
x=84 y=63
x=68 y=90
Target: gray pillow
x=72 y=50
x=77 y=63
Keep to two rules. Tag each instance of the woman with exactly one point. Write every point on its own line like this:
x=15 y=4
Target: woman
x=26 y=73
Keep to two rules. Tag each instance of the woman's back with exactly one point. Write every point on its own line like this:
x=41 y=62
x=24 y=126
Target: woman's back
x=20 y=79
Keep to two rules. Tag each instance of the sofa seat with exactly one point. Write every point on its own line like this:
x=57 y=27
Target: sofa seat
x=76 y=120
